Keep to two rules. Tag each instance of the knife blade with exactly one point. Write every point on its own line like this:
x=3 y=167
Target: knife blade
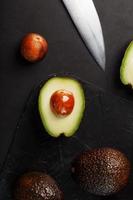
x=86 y=19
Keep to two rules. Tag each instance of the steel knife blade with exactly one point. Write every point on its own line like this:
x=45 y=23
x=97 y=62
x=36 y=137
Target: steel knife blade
x=86 y=19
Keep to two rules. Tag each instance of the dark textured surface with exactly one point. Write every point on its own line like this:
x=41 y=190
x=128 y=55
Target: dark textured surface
x=66 y=53
x=33 y=149
x=102 y=171
x=37 y=186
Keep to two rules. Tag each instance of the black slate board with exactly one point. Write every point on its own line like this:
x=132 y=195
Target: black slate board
x=66 y=52
x=33 y=149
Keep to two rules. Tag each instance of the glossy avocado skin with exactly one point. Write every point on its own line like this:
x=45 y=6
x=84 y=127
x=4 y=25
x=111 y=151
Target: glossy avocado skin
x=102 y=171
x=37 y=186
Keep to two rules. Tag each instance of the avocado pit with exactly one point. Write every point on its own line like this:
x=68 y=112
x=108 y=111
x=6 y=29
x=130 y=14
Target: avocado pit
x=33 y=47
x=62 y=102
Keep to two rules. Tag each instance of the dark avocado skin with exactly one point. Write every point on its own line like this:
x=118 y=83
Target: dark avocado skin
x=103 y=171
x=37 y=186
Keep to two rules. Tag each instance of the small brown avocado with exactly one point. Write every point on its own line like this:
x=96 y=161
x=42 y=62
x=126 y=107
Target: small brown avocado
x=102 y=171
x=37 y=186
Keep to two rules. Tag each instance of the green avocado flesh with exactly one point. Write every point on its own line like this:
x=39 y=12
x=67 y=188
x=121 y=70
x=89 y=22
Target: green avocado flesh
x=126 y=69
x=53 y=124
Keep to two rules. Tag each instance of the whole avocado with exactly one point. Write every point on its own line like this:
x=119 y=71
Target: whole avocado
x=102 y=171
x=37 y=186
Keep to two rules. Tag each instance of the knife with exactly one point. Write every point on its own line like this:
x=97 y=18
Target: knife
x=85 y=17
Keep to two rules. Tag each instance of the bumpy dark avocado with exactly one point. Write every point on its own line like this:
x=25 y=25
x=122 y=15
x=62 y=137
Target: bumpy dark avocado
x=37 y=186
x=102 y=171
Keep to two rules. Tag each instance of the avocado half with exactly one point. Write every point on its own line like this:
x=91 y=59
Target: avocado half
x=126 y=69
x=53 y=124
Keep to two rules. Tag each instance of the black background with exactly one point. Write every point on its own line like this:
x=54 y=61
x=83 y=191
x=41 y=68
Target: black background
x=107 y=121
x=66 y=53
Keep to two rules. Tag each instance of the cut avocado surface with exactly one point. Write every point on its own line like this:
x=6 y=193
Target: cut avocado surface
x=53 y=124
x=126 y=69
